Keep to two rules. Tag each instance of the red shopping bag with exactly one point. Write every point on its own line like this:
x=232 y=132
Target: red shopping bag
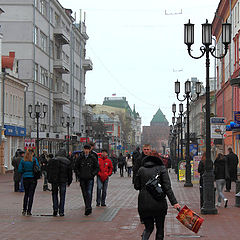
x=189 y=219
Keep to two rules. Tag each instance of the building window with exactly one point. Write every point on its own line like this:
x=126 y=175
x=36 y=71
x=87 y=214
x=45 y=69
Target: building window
x=77 y=71
x=57 y=20
x=51 y=49
x=43 y=41
x=77 y=46
x=6 y=103
x=36 y=3
x=51 y=15
x=36 y=72
x=44 y=77
x=67 y=88
x=35 y=35
x=43 y=7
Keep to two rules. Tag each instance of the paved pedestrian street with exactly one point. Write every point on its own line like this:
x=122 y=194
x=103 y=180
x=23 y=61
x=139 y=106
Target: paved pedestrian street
x=119 y=220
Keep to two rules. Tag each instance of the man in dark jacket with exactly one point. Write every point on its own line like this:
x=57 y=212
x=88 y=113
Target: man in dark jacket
x=59 y=174
x=232 y=162
x=146 y=151
x=149 y=209
x=15 y=163
x=86 y=168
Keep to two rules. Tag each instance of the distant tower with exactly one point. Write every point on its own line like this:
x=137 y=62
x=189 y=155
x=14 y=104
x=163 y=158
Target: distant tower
x=157 y=133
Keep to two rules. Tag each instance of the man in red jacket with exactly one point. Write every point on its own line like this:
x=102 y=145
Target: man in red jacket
x=106 y=167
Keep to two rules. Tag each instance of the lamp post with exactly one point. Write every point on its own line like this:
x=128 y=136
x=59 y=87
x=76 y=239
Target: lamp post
x=188 y=96
x=208 y=176
x=39 y=112
x=68 y=124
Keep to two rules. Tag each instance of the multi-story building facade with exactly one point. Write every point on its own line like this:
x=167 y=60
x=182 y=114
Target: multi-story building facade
x=51 y=53
x=228 y=96
x=12 y=114
x=131 y=123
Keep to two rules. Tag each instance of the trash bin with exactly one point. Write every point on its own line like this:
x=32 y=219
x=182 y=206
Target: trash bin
x=237 y=200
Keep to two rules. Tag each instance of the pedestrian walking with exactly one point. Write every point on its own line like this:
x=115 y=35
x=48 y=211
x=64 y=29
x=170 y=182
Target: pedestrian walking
x=43 y=159
x=105 y=171
x=201 y=169
x=129 y=164
x=29 y=181
x=136 y=154
x=232 y=162
x=59 y=173
x=114 y=162
x=15 y=163
x=149 y=209
x=121 y=164
x=146 y=151
x=86 y=168
x=221 y=174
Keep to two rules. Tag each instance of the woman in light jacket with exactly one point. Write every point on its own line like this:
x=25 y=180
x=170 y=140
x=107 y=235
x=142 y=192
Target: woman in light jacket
x=129 y=164
x=149 y=209
x=29 y=182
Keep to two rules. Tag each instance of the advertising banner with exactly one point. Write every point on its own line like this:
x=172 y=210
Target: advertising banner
x=182 y=170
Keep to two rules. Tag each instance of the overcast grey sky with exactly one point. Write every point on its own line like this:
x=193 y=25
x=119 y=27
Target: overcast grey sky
x=138 y=51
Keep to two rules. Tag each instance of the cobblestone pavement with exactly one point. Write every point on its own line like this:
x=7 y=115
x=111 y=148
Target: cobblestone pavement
x=119 y=220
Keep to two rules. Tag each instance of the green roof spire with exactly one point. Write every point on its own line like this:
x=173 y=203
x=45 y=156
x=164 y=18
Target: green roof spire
x=159 y=117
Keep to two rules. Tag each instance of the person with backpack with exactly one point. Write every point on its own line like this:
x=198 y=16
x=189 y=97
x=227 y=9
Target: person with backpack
x=26 y=168
x=59 y=173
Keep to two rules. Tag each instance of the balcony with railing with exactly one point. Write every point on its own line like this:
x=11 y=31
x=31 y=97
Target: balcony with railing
x=61 y=35
x=87 y=64
x=61 y=65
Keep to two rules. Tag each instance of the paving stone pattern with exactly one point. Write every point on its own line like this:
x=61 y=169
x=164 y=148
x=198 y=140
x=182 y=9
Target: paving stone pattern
x=119 y=220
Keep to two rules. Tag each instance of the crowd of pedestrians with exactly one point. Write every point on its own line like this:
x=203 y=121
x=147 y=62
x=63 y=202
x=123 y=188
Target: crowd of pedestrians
x=141 y=166
x=225 y=172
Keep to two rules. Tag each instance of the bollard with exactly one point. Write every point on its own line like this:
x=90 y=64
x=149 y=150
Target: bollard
x=237 y=200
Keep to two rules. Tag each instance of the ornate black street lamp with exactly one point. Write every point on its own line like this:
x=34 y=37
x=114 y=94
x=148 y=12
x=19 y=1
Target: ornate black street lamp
x=208 y=176
x=68 y=124
x=188 y=96
x=39 y=112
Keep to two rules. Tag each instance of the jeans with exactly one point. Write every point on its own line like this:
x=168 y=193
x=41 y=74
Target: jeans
x=87 y=189
x=21 y=185
x=45 y=181
x=29 y=187
x=16 y=186
x=129 y=169
x=219 y=185
x=101 y=191
x=121 y=170
x=61 y=188
x=149 y=226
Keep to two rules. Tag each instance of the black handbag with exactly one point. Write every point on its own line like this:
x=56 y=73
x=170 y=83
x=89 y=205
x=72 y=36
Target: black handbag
x=36 y=170
x=154 y=187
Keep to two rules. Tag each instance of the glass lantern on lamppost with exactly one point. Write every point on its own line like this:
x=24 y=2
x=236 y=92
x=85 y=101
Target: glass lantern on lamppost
x=188 y=96
x=208 y=176
x=39 y=112
x=68 y=124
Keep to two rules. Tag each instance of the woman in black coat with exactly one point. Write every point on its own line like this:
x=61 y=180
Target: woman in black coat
x=149 y=209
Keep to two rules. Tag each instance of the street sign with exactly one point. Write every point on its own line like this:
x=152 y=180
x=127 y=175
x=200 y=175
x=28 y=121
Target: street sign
x=218 y=120
x=237 y=117
x=218 y=127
